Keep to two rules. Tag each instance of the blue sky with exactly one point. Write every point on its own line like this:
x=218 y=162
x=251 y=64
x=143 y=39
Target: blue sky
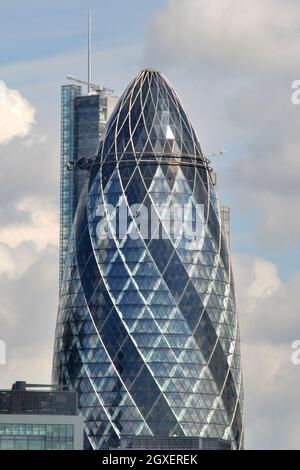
x=232 y=63
x=36 y=29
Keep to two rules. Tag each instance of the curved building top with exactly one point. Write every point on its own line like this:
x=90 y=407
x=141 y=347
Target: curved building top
x=149 y=121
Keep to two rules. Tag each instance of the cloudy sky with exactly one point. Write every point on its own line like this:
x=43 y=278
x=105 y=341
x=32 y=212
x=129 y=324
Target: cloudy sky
x=233 y=63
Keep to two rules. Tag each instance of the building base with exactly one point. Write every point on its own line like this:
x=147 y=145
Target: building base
x=174 y=443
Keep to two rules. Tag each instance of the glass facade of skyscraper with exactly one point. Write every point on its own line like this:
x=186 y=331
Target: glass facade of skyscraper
x=147 y=330
x=68 y=95
x=83 y=120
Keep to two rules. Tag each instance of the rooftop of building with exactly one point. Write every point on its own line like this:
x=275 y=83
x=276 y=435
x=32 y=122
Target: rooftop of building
x=25 y=398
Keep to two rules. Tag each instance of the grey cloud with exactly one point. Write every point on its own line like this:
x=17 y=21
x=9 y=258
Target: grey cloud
x=236 y=35
x=27 y=319
x=272 y=383
x=267 y=176
x=269 y=316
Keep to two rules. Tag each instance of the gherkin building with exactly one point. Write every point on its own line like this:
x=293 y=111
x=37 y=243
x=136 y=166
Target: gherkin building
x=147 y=330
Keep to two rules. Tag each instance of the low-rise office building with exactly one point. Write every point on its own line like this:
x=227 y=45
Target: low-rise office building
x=32 y=418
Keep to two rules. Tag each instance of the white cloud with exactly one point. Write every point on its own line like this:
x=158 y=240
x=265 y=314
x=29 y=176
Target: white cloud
x=17 y=115
x=269 y=306
x=41 y=228
x=16 y=261
x=256 y=280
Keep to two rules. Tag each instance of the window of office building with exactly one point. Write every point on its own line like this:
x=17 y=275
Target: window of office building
x=36 y=436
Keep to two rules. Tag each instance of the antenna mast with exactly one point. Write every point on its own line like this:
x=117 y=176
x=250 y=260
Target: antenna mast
x=91 y=87
x=89 y=51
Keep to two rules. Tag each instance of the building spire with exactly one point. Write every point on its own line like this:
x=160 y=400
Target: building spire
x=89 y=51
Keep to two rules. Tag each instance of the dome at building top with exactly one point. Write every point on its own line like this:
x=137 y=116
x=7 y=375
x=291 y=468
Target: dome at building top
x=149 y=120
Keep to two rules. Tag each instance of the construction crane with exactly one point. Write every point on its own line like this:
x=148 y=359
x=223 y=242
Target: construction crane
x=216 y=154
x=213 y=174
x=82 y=163
x=96 y=88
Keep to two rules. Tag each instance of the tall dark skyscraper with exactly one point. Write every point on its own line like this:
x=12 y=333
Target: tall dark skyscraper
x=147 y=330
x=83 y=119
